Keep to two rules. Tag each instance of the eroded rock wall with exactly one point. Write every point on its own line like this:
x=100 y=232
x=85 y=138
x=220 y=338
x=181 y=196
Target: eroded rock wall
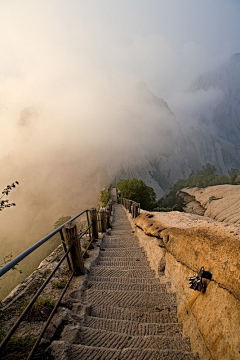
x=178 y=245
x=220 y=202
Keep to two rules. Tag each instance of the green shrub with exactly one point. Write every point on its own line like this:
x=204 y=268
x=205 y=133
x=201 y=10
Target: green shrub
x=41 y=309
x=104 y=198
x=60 y=284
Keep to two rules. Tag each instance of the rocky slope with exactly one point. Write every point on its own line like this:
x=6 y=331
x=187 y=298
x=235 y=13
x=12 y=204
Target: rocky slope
x=220 y=202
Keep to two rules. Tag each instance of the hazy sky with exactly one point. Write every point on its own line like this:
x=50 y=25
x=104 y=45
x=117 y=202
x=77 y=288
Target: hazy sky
x=76 y=61
x=69 y=68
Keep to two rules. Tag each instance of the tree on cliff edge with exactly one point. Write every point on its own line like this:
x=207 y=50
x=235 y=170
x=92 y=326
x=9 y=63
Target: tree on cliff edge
x=138 y=191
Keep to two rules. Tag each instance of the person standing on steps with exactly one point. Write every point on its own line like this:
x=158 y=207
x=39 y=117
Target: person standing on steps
x=118 y=195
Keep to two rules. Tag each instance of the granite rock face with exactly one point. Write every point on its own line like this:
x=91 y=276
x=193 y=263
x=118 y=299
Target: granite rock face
x=178 y=246
x=178 y=143
x=220 y=202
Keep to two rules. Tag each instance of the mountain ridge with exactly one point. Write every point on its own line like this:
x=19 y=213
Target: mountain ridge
x=212 y=137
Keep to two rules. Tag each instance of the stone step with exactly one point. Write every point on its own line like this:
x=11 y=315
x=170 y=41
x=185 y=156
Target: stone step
x=103 y=257
x=122 y=263
x=123 y=280
x=125 y=267
x=131 y=299
x=113 y=340
x=149 y=354
x=122 y=235
x=67 y=351
x=129 y=247
x=121 y=228
x=101 y=271
x=126 y=253
x=131 y=235
x=119 y=239
x=125 y=287
x=155 y=315
x=132 y=327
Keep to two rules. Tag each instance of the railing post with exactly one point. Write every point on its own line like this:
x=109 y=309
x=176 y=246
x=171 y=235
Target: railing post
x=134 y=210
x=75 y=252
x=130 y=206
x=108 y=212
x=65 y=249
x=103 y=220
x=110 y=206
x=94 y=221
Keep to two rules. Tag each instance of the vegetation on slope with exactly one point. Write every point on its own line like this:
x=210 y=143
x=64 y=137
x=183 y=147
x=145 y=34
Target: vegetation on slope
x=138 y=191
x=203 y=178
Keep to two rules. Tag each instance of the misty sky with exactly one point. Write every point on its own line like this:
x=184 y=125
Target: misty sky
x=76 y=62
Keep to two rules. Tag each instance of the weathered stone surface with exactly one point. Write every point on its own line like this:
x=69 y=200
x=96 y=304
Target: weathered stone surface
x=197 y=241
x=179 y=245
x=220 y=202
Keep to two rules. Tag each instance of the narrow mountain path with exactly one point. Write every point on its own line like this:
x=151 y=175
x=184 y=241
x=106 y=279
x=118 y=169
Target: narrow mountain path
x=131 y=315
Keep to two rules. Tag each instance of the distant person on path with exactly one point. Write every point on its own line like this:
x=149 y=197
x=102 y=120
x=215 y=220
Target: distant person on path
x=118 y=194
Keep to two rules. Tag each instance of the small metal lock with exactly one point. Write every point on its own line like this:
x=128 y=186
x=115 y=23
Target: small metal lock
x=196 y=283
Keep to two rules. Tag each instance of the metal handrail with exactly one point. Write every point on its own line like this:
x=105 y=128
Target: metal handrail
x=24 y=313
x=20 y=257
x=49 y=319
x=25 y=253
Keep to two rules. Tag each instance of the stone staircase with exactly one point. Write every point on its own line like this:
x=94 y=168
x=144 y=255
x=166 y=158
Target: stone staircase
x=131 y=315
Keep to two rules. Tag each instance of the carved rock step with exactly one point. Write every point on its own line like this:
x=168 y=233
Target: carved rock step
x=123 y=252
x=132 y=327
x=103 y=338
x=124 y=226
x=120 y=246
x=123 y=280
x=123 y=236
x=114 y=234
x=135 y=266
x=101 y=271
x=124 y=262
x=104 y=257
x=155 y=315
x=68 y=351
x=131 y=299
x=124 y=239
x=121 y=224
x=125 y=287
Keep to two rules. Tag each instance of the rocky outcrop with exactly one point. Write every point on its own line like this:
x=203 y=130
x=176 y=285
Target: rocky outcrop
x=220 y=202
x=178 y=246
